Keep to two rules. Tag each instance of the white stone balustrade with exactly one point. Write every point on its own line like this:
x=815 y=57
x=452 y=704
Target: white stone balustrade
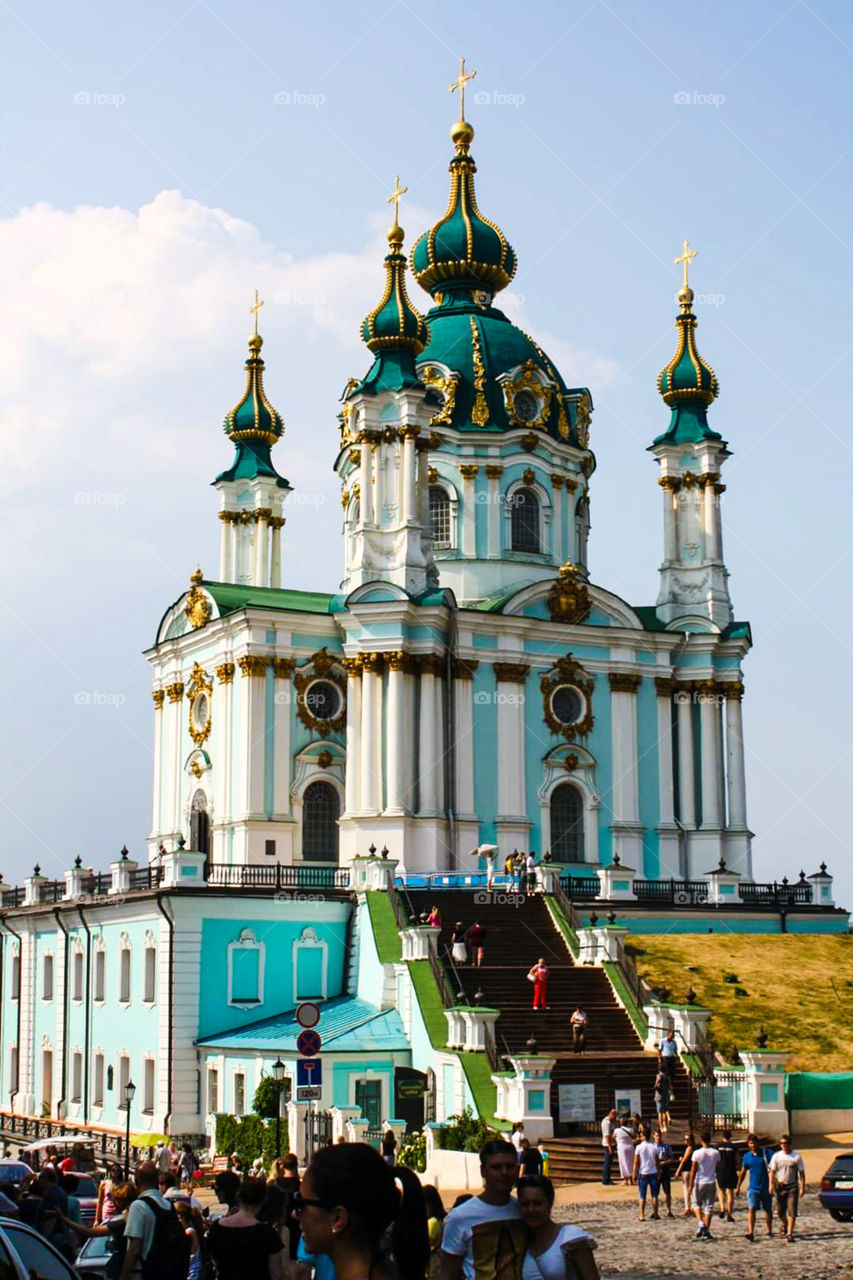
x=419 y=941
x=765 y=1081
x=617 y=882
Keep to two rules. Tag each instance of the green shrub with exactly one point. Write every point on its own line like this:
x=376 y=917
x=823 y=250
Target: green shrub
x=465 y=1132
x=412 y=1153
x=266 y=1100
x=250 y=1137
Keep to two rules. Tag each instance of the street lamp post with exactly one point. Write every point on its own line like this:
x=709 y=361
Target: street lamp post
x=278 y=1070
x=129 y=1091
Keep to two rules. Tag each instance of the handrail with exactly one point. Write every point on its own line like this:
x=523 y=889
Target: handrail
x=397 y=907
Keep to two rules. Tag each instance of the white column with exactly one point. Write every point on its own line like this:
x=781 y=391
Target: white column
x=511 y=677
x=440 y=720
x=252 y=735
x=429 y=763
x=353 y=771
x=736 y=772
x=260 y=572
x=665 y=688
x=558 y=548
x=366 y=491
x=709 y=730
x=371 y=733
x=282 y=706
x=422 y=503
x=494 y=473
x=410 y=712
x=623 y=701
x=463 y=718
x=468 y=472
x=395 y=734
x=686 y=785
x=670 y=486
x=224 y=546
x=221 y=752
x=275 y=570
x=170 y=815
x=157 y=795
x=408 y=498
x=710 y=519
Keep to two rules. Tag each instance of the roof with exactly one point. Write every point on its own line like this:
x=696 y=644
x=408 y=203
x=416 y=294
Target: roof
x=230 y=596
x=347 y=1024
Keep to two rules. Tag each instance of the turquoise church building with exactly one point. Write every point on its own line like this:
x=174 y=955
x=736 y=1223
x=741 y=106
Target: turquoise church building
x=464 y=689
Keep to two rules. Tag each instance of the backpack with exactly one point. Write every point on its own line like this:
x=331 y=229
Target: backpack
x=169 y=1255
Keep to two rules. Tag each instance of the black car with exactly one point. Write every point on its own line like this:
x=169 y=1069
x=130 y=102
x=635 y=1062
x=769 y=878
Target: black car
x=836 y=1188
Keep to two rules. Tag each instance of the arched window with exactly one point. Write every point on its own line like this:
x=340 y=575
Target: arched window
x=524 y=520
x=199 y=824
x=439 y=515
x=566 y=824
x=320 y=811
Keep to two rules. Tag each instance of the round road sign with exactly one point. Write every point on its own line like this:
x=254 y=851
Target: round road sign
x=308 y=1043
x=308 y=1014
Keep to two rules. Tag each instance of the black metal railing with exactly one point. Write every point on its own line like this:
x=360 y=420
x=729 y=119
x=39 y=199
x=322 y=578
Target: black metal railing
x=401 y=919
x=580 y=888
x=146 y=877
x=676 y=893
x=775 y=895
x=225 y=876
x=106 y=1146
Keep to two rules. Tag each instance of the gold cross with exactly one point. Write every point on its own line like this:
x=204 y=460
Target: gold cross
x=256 y=308
x=686 y=258
x=395 y=196
x=460 y=83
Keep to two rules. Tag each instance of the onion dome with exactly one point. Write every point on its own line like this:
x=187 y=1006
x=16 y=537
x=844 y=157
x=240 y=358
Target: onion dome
x=394 y=330
x=687 y=383
x=253 y=424
x=463 y=250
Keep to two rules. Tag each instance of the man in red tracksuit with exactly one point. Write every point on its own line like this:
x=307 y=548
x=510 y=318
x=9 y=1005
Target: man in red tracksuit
x=538 y=975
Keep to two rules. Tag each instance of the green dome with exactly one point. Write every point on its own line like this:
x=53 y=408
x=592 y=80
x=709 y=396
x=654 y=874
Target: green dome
x=492 y=377
x=254 y=425
x=687 y=384
x=395 y=324
x=463 y=249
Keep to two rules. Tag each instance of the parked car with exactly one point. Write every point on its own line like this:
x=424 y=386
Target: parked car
x=13 y=1171
x=93 y=1259
x=24 y=1254
x=86 y=1191
x=836 y=1188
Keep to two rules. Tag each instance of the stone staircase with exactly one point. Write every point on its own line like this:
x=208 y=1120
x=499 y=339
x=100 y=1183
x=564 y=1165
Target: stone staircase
x=516 y=936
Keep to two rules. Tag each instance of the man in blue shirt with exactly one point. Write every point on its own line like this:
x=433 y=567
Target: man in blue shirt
x=758 y=1191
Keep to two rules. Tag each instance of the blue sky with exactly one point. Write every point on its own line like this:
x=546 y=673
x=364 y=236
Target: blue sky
x=606 y=133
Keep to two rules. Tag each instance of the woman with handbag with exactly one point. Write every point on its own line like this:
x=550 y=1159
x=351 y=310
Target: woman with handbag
x=538 y=975
x=555 y=1250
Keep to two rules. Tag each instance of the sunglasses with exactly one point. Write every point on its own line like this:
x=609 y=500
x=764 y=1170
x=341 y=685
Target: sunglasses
x=299 y=1202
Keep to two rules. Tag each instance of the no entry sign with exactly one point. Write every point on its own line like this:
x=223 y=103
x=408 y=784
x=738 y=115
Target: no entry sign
x=308 y=1043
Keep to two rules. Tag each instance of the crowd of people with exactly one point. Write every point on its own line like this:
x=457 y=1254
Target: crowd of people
x=711 y=1174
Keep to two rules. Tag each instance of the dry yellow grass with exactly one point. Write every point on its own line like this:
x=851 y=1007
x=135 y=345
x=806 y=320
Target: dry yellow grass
x=799 y=988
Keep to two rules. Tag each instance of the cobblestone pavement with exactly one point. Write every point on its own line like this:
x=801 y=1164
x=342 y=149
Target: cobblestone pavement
x=632 y=1250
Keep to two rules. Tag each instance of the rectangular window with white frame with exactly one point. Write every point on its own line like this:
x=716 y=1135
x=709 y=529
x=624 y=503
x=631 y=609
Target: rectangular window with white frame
x=124 y=976
x=15 y=976
x=98 y=1081
x=239 y=1094
x=123 y=1078
x=77 y=976
x=148 y=1087
x=13 y=1069
x=150 y=976
x=212 y=1090
x=76 y=1076
x=47 y=978
x=100 y=983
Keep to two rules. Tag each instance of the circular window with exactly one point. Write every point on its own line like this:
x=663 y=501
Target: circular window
x=526 y=406
x=567 y=705
x=201 y=711
x=323 y=700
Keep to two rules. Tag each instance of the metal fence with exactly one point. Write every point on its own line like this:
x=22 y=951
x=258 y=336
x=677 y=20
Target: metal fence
x=275 y=876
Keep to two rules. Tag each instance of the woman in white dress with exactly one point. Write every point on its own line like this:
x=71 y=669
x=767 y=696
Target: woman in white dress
x=555 y=1250
x=458 y=949
x=624 y=1136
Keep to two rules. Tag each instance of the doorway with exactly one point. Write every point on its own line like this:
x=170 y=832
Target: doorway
x=47 y=1081
x=368 y=1096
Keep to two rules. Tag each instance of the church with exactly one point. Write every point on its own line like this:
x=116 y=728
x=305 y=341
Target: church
x=464 y=683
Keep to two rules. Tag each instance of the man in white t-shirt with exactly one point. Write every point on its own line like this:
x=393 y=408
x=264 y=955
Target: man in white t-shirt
x=485 y=1239
x=647 y=1176
x=608 y=1124
x=788 y=1181
x=141 y=1220
x=703 y=1185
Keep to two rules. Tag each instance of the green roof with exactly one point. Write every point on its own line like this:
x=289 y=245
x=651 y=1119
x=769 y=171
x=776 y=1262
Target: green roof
x=231 y=596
